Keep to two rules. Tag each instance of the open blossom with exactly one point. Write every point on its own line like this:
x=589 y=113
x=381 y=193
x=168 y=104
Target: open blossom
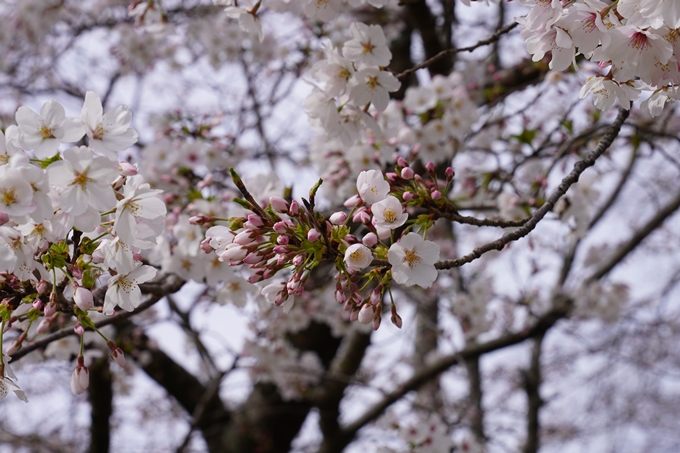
x=412 y=260
x=325 y=10
x=140 y=202
x=373 y=85
x=249 y=22
x=109 y=132
x=16 y=195
x=605 y=91
x=45 y=131
x=372 y=186
x=358 y=256
x=389 y=213
x=7 y=383
x=368 y=45
x=86 y=180
x=124 y=289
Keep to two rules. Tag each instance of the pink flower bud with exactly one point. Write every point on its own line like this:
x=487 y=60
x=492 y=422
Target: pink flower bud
x=205 y=245
x=280 y=227
x=245 y=237
x=376 y=296
x=408 y=196
x=37 y=304
x=255 y=220
x=352 y=201
x=369 y=240
x=80 y=379
x=298 y=260
x=366 y=314
x=282 y=240
x=436 y=195
x=279 y=204
x=396 y=320
x=376 y=322
x=83 y=298
x=340 y=297
x=402 y=162
x=76 y=272
x=294 y=208
x=449 y=173
x=44 y=325
x=256 y=277
x=78 y=329
x=253 y=258
x=360 y=215
x=233 y=252
x=430 y=167
x=407 y=173
x=280 y=249
x=351 y=239
x=4 y=218
x=313 y=235
x=200 y=219
x=281 y=297
x=13 y=347
x=127 y=169
x=41 y=287
x=118 y=356
x=354 y=314
x=50 y=308
x=338 y=218
x=391 y=176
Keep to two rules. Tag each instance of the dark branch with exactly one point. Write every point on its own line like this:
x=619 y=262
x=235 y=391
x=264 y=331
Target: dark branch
x=568 y=181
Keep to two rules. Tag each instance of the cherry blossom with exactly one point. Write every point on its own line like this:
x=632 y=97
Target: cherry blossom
x=108 y=132
x=412 y=260
x=124 y=289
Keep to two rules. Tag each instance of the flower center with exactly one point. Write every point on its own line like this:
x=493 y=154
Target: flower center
x=81 y=180
x=390 y=215
x=368 y=47
x=98 y=133
x=45 y=132
x=639 y=41
x=8 y=196
x=356 y=256
x=412 y=258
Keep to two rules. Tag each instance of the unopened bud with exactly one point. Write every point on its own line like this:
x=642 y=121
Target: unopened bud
x=282 y=240
x=83 y=298
x=402 y=162
x=338 y=218
x=294 y=208
x=376 y=321
x=41 y=287
x=205 y=246
x=255 y=220
x=352 y=201
x=408 y=196
x=80 y=379
x=50 y=308
x=366 y=314
x=13 y=347
x=280 y=249
x=313 y=235
x=391 y=176
x=118 y=356
x=298 y=260
x=253 y=258
x=436 y=195
x=280 y=227
x=78 y=329
x=127 y=169
x=4 y=218
x=44 y=326
x=430 y=167
x=370 y=239
x=407 y=173
x=279 y=204
x=37 y=303
x=256 y=277
x=449 y=173
x=396 y=320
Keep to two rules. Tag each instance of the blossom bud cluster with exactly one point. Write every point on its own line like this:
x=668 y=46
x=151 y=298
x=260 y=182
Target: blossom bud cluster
x=286 y=236
x=70 y=218
x=638 y=43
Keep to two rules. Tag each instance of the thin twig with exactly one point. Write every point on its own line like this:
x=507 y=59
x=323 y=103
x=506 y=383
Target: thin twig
x=567 y=182
x=491 y=39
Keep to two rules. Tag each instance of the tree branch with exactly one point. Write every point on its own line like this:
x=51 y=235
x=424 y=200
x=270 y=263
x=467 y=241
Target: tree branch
x=491 y=39
x=568 y=181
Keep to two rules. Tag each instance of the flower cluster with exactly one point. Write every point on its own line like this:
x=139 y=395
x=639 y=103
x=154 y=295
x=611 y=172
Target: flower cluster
x=638 y=41
x=287 y=237
x=71 y=220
